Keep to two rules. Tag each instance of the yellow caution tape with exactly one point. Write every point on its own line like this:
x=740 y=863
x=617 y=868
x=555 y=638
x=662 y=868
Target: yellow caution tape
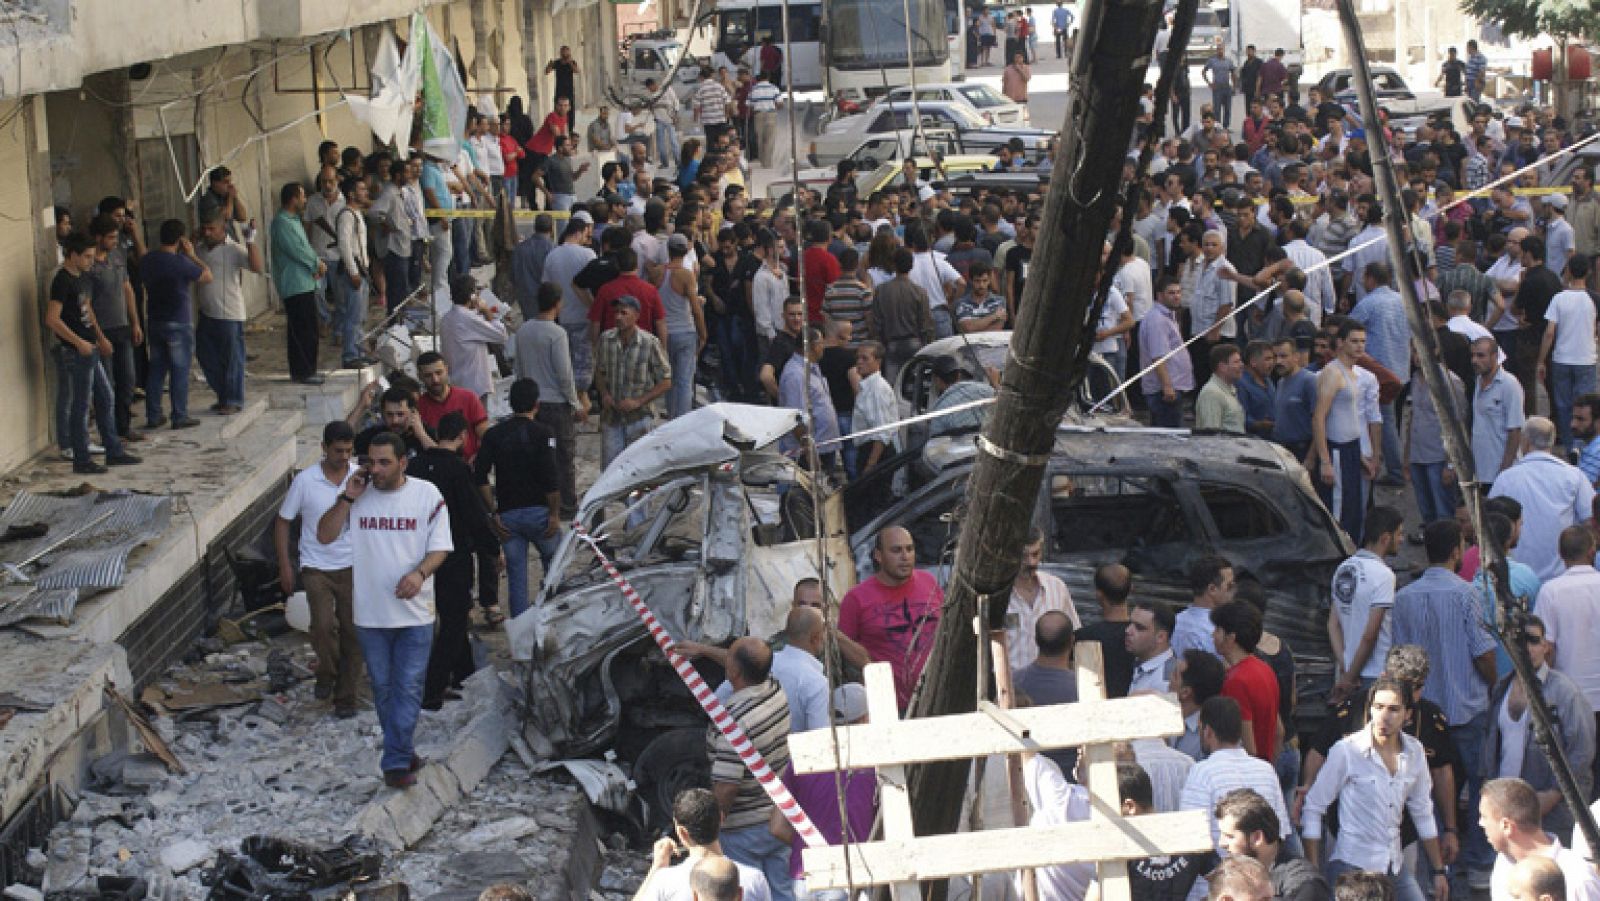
x=490 y=214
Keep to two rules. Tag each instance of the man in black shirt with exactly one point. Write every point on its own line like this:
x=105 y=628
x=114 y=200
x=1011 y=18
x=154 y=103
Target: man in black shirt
x=69 y=313
x=450 y=661
x=1112 y=585
x=526 y=497
x=1163 y=878
x=400 y=416
x=603 y=268
x=1539 y=285
x=1018 y=259
x=1248 y=827
x=735 y=320
x=1248 y=243
x=783 y=346
x=1249 y=74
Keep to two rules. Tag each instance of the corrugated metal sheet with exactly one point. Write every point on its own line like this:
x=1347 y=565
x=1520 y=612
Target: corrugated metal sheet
x=93 y=561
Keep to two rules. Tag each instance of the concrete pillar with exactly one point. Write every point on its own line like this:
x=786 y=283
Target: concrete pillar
x=530 y=56
x=37 y=143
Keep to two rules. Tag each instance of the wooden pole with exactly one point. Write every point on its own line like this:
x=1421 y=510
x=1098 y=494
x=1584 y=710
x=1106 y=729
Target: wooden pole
x=1511 y=615
x=1049 y=354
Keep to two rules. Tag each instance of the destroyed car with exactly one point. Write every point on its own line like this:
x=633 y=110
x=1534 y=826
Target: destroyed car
x=713 y=528
x=1152 y=500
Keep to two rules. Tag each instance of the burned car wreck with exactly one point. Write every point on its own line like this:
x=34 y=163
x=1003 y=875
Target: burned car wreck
x=713 y=527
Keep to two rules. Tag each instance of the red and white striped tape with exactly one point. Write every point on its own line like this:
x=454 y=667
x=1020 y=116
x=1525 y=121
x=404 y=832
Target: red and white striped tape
x=725 y=723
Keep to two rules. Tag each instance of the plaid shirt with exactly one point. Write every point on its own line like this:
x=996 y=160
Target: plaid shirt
x=1477 y=171
x=629 y=371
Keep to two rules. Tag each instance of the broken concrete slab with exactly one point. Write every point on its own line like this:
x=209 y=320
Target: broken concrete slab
x=183 y=856
x=19 y=892
x=506 y=830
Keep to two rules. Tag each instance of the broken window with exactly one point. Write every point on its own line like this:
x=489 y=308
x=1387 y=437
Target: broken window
x=1240 y=515
x=1114 y=513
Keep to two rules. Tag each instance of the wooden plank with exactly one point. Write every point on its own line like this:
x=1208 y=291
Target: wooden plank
x=894 y=799
x=880 y=743
x=998 y=850
x=1098 y=764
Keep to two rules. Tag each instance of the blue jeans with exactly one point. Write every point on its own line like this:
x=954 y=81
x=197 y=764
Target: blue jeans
x=397 y=661
x=1162 y=414
x=526 y=525
x=219 y=349
x=1405 y=884
x=1391 y=439
x=1222 y=105
x=349 y=313
x=82 y=377
x=1434 y=500
x=736 y=348
x=615 y=437
x=1469 y=737
x=682 y=350
x=944 y=325
x=325 y=293
x=397 y=281
x=756 y=847
x=171 y=351
x=1567 y=384
x=848 y=449
x=460 y=246
x=667 y=149
x=510 y=182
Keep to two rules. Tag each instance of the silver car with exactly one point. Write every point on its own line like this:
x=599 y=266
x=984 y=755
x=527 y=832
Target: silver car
x=995 y=107
x=977 y=136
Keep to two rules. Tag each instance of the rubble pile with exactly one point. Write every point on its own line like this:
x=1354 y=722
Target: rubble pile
x=254 y=762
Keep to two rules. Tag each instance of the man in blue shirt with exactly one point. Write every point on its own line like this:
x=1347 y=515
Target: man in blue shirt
x=1061 y=23
x=1389 y=342
x=1296 y=397
x=167 y=273
x=1502 y=516
x=1586 y=435
x=1256 y=392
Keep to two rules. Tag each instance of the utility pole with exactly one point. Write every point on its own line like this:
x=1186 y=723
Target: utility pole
x=1049 y=354
x=1511 y=615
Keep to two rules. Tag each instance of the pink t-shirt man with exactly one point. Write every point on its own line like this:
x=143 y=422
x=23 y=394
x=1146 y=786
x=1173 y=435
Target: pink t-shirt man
x=895 y=624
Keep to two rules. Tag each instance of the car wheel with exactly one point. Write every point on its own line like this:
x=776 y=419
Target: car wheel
x=673 y=762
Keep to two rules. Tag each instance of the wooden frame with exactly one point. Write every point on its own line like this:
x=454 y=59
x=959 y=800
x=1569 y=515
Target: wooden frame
x=901 y=859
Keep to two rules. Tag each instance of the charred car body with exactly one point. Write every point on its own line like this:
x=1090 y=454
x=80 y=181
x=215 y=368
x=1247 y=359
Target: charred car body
x=714 y=527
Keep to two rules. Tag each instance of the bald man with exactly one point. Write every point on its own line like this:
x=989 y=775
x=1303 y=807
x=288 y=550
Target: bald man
x=715 y=879
x=1537 y=879
x=894 y=613
x=797 y=667
x=1553 y=493
x=1050 y=678
x=762 y=710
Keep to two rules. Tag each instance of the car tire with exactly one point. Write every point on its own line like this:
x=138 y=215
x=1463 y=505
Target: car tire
x=671 y=763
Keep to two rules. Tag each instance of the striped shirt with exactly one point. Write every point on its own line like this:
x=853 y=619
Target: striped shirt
x=1438 y=612
x=763 y=712
x=628 y=371
x=711 y=103
x=847 y=300
x=1224 y=771
x=1463 y=276
x=763 y=97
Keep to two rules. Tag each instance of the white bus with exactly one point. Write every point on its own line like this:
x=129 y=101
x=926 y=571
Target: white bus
x=741 y=24
x=865 y=45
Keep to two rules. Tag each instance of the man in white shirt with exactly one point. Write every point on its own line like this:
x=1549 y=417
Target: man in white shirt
x=875 y=407
x=1569 y=604
x=1033 y=594
x=1149 y=640
x=937 y=277
x=697 y=823
x=319 y=217
x=465 y=333
x=1508 y=809
x=1376 y=775
x=399 y=532
x=1554 y=494
x=1567 y=350
x=324 y=568
x=219 y=328
x=1320 y=296
x=1459 y=305
x=1363 y=594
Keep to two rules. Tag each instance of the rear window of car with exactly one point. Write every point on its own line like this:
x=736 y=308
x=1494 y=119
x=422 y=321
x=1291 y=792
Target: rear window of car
x=984 y=97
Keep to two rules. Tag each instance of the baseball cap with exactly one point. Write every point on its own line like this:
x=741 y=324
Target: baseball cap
x=1514 y=122
x=626 y=300
x=678 y=242
x=849 y=703
x=1559 y=201
x=583 y=216
x=1354 y=133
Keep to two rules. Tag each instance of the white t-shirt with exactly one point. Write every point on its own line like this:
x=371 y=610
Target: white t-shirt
x=310 y=495
x=1573 y=313
x=1110 y=315
x=932 y=272
x=672 y=884
x=1134 y=281
x=390 y=532
x=1362 y=584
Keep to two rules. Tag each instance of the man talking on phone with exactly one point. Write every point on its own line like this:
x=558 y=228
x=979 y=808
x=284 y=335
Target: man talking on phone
x=697 y=825
x=399 y=530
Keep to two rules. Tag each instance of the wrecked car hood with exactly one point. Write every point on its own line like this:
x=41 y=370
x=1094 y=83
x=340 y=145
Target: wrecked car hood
x=701 y=438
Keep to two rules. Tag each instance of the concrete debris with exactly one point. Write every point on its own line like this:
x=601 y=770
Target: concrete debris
x=20 y=892
x=184 y=856
x=507 y=830
x=36 y=859
x=255 y=768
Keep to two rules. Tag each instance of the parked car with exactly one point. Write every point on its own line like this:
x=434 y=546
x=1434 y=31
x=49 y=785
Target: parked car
x=1210 y=31
x=844 y=135
x=886 y=174
x=1394 y=95
x=995 y=107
